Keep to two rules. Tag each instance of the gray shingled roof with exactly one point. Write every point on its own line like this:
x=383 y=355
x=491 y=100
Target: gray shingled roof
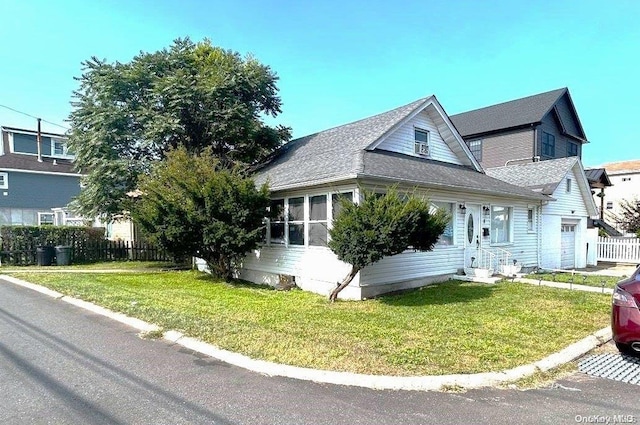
x=341 y=153
x=330 y=154
x=541 y=176
x=398 y=167
x=515 y=113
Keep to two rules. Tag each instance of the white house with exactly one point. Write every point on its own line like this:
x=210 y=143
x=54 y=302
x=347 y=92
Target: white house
x=625 y=181
x=566 y=241
x=414 y=146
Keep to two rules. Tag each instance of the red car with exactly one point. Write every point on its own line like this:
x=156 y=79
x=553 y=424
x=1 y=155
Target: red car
x=625 y=315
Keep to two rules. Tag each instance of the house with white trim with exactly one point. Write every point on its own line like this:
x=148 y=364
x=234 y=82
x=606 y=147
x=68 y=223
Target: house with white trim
x=417 y=148
x=566 y=240
x=37 y=179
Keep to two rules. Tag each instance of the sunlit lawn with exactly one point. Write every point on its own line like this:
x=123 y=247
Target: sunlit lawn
x=588 y=280
x=454 y=327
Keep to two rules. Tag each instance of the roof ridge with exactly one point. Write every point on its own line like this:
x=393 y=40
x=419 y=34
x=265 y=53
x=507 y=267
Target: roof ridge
x=512 y=100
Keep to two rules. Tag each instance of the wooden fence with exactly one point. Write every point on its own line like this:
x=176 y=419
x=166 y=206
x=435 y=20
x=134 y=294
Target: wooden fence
x=105 y=250
x=619 y=250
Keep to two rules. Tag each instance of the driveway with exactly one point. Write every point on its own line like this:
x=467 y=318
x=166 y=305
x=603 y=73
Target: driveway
x=61 y=364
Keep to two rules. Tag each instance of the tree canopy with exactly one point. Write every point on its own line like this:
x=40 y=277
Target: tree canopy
x=126 y=116
x=383 y=225
x=193 y=206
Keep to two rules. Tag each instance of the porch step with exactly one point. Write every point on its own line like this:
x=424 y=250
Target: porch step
x=466 y=278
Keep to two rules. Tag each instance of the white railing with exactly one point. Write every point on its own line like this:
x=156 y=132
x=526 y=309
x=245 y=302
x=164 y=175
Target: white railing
x=619 y=250
x=484 y=259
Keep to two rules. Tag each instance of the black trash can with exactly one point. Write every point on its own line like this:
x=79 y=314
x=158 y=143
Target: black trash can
x=63 y=255
x=44 y=255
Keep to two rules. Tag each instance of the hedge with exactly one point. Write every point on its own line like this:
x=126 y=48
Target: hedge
x=17 y=240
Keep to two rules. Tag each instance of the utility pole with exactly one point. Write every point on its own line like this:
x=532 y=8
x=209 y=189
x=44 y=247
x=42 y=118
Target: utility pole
x=39 y=140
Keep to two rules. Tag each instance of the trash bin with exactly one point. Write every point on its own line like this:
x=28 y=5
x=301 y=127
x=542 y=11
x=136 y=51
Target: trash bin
x=44 y=255
x=63 y=255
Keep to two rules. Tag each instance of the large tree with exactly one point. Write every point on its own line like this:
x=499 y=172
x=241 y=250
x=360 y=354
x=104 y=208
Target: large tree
x=128 y=115
x=382 y=225
x=195 y=207
x=628 y=216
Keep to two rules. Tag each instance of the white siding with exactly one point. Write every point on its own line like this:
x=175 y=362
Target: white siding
x=569 y=207
x=568 y=204
x=448 y=260
x=318 y=270
x=402 y=140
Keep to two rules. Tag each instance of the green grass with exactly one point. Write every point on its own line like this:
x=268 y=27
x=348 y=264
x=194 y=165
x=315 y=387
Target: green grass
x=588 y=280
x=454 y=327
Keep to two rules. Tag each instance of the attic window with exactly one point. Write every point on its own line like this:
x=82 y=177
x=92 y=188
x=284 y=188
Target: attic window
x=421 y=146
x=568 y=185
x=572 y=149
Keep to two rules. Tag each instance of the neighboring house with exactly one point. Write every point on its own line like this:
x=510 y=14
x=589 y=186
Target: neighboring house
x=539 y=127
x=566 y=242
x=625 y=180
x=414 y=146
x=37 y=181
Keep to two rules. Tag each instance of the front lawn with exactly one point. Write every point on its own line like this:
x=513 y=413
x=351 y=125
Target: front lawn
x=454 y=327
x=588 y=280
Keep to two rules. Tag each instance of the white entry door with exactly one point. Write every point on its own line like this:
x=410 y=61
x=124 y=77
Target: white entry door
x=471 y=235
x=568 y=246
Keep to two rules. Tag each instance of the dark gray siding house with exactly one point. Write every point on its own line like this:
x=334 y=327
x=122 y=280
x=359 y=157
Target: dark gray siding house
x=539 y=127
x=34 y=180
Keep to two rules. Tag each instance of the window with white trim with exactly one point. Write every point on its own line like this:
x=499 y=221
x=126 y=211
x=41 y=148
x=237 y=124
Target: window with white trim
x=336 y=202
x=531 y=219
x=4 y=180
x=501 y=224
x=59 y=149
x=276 y=224
x=475 y=146
x=318 y=231
x=447 y=237
x=421 y=146
x=609 y=205
x=295 y=221
x=45 y=219
x=568 y=185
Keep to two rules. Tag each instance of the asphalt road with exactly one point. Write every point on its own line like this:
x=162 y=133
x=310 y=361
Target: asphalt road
x=62 y=365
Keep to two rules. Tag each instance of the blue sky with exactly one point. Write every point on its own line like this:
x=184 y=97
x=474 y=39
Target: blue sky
x=339 y=61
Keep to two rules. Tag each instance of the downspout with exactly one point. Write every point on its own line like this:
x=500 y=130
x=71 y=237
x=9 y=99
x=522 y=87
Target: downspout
x=539 y=233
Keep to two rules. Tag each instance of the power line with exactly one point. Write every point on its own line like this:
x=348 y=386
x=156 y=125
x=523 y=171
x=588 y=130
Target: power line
x=34 y=117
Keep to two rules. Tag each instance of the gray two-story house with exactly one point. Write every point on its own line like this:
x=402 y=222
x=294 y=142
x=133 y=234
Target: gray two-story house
x=37 y=180
x=539 y=127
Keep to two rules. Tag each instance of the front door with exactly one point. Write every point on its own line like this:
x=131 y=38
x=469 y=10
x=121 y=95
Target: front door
x=471 y=235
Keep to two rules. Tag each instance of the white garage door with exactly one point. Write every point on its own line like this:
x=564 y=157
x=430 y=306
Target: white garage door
x=568 y=245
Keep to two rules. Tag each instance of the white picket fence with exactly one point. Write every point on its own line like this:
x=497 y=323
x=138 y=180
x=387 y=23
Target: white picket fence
x=619 y=250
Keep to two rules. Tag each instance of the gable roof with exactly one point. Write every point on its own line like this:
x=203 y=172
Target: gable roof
x=545 y=176
x=518 y=113
x=622 y=167
x=350 y=151
x=337 y=152
x=597 y=177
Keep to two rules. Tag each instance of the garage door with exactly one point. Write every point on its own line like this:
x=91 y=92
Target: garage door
x=568 y=245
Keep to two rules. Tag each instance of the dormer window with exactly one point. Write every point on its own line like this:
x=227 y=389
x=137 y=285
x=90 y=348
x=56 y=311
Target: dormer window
x=421 y=142
x=59 y=149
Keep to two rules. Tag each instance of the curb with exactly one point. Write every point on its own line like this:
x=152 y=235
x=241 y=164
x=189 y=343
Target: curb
x=378 y=382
